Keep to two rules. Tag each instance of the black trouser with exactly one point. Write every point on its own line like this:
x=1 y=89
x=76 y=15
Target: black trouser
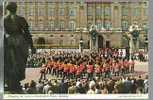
x=90 y=75
x=123 y=71
x=116 y=73
x=127 y=70
x=42 y=76
x=98 y=74
x=65 y=74
x=49 y=70
x=71 y=75
x=54 y=72
x=132 y=69
x=107 y=74
x=60 y=73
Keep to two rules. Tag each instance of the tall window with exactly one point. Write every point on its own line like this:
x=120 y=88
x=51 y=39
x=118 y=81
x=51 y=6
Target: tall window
x=41 y=26
x=61 y=11
x=108 y=25
x=21 y=10
x=98 y=11
x=125 y=25
x=107 y=11
x=61 y=25
x=136 y=11
x=99 y=26
x=146 y=11
x=72 y=12
x=50 y=11
x=51 y=25
x=89 y=11
x=31 y=10
x=41 y=10
x=72 y=25
x=124 y=11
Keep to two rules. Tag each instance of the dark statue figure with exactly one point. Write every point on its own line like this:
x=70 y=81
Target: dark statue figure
x=135 y=35
x=17 y=40
x=93 y=36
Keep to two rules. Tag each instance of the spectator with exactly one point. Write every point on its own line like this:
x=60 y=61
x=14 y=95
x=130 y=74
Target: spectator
x=47 y=87
x=140 y=85
x=32 y=87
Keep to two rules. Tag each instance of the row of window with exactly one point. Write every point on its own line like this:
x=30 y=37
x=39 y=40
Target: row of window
x=107 y=11
x=72 y=11
x=41 y=11
x=108 y=25
x=51 y=25
x=72 y=25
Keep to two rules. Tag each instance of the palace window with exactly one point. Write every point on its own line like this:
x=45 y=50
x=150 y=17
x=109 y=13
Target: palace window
x=107 y=11
x=72 y=25
x=99 y=26
x=146 y=11
x=72 y=12
x=98 y=11
x=41 y=10
x=61 y=11
x=124 y=11
x=21 y=10
x=51 y=25
x=50 y=11
x=41 y=26
x=31 y=10
x=108 y=25
x=61 y=25
x=136 y=11
x=124 y=25
x=89 y=11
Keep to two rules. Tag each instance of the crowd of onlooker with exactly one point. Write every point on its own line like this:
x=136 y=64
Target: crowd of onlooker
x=90 y=72
x=120 y=85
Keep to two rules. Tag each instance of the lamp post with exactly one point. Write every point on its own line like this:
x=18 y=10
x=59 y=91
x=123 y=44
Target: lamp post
x=145 y=28
x=81 y=42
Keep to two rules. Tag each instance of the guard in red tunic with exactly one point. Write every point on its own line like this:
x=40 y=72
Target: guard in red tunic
x=71 y=71
x=81 y=67
x=98 y=70
x=122 y=64
x=132 y=64
x=54 y=68
x=90 y=70
x=116 y=68
x=126 y=65
x=107 y=70
x=49 y=65
x=61 y=67
x=57 y=69
x=66 y=70
x=78 y=72
x=102 y=70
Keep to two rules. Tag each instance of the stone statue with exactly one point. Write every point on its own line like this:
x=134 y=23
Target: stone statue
x=17 y=40
x=93 y=33
x=135 y=35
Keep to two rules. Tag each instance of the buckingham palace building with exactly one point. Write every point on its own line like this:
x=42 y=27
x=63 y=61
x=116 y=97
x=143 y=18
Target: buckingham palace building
x=62 y=23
